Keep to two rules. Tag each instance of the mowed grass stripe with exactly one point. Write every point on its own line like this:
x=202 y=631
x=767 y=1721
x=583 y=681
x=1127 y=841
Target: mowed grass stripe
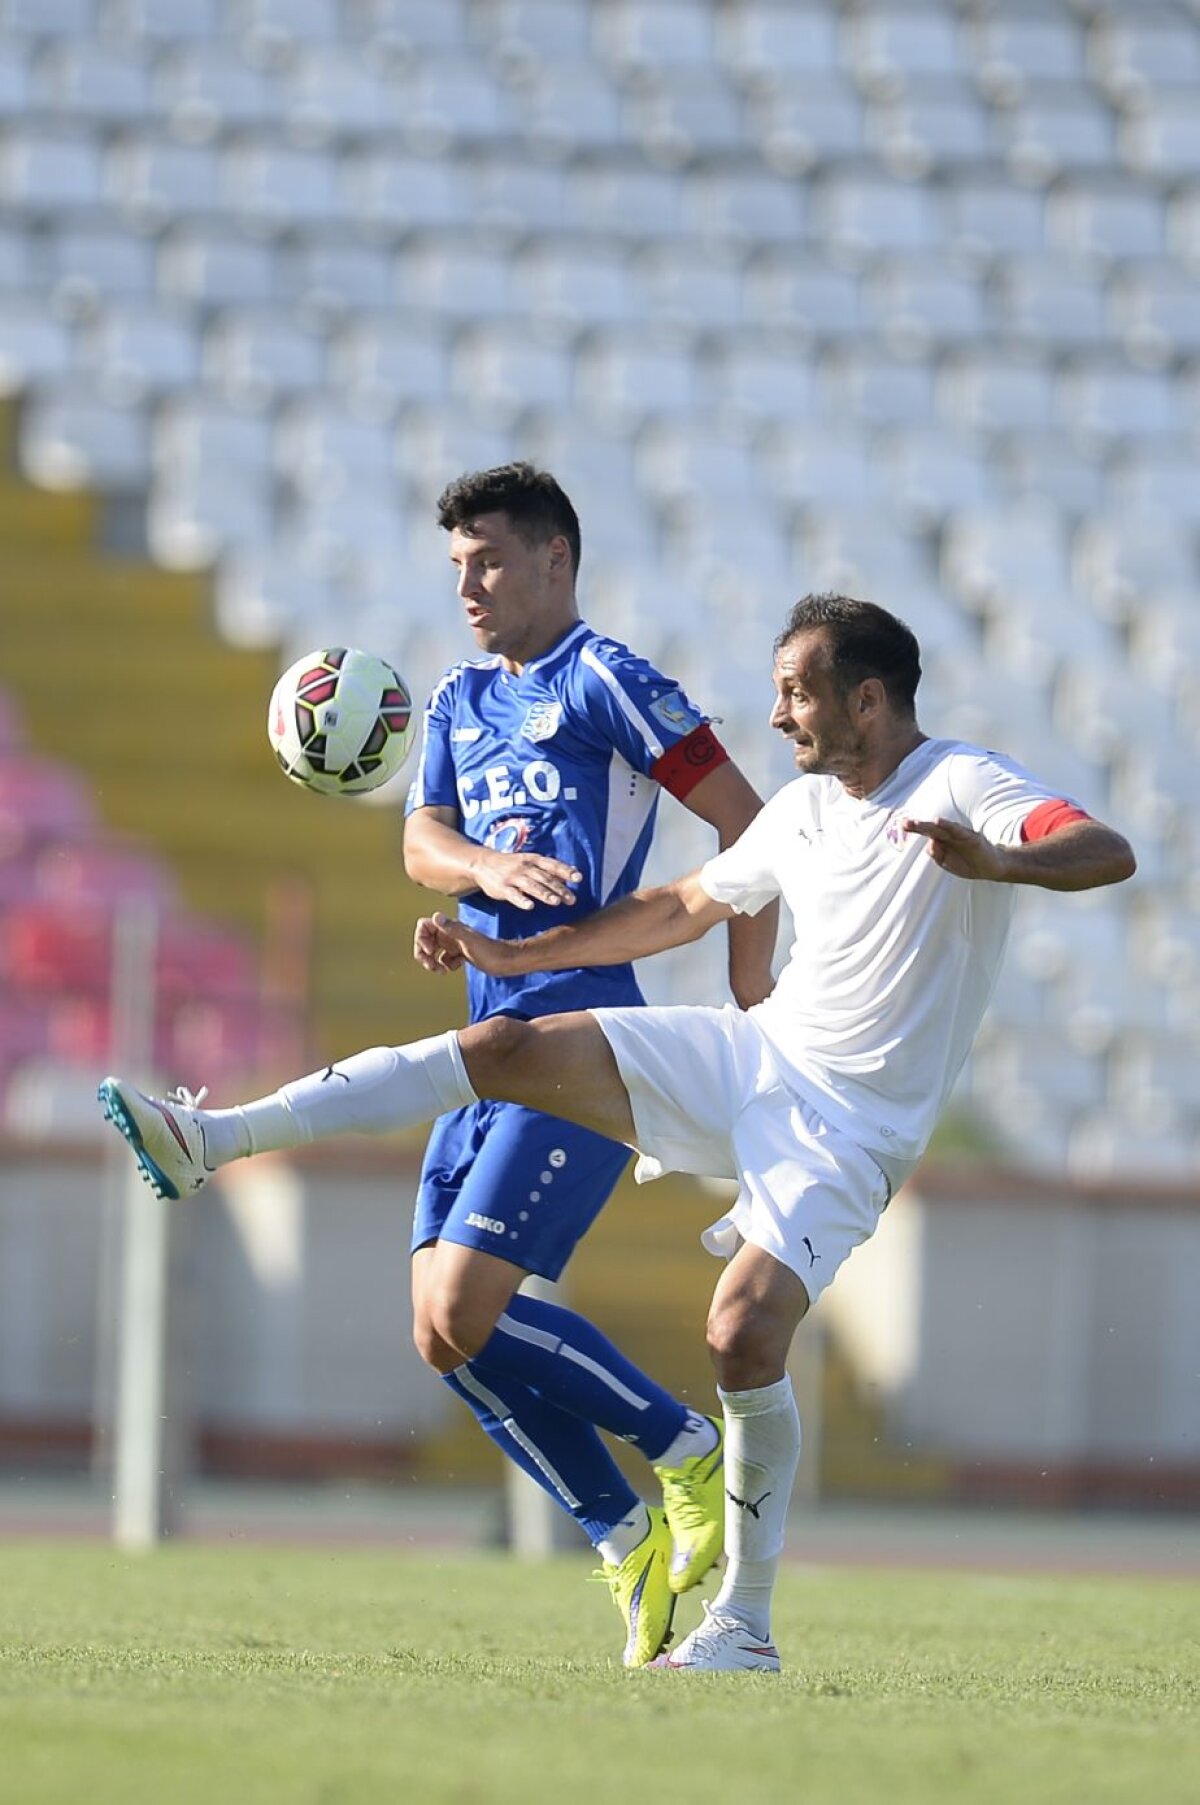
x=200 y=1674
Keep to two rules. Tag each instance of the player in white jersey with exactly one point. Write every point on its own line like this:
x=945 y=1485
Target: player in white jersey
x=899 y=856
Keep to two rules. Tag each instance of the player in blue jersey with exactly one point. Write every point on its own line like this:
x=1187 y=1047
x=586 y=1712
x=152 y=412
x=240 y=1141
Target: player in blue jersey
x=536 y=792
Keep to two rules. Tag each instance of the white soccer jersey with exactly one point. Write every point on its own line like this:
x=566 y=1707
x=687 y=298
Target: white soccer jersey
x=894 y=959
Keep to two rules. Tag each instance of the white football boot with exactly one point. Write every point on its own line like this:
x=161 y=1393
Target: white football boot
x=166 y=1135
x=722 y=1644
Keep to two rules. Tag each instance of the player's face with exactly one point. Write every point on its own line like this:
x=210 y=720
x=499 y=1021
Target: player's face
x=827 y=732
x=513 y=593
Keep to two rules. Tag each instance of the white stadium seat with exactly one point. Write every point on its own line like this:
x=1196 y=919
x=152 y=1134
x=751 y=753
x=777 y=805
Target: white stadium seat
x=49 y=170
x=1054 y=466
x=1106 y=400
x=918 y=301
x=333 y=273
x=574 y=285
x=822 y=463
x=802 y=123
x=1050 y=301
x=94 y=82
x=457 y=276
x=387 y=364
x=32 y=345
x=924 y=127
x=403 y=29
x=257 y=355
x=1105 y=217
x=1015 y=48
x=890 y=47
x=880 y=388
x=927 y=472
x=993 y=390
x=860 y=215
x=1164 y=140
x=88 y=262
x=801 y=291
x=51 y=18
x=1152 y=306
x=758 y=384
x=778 y=40
x=271 y=30
x=152 y=181
x=624 y=377
x=1054 y=130
x=392 y=192
x=162 y=21
x=321 y=447
x=1136 y=57
x=637 y=35
x=137 y=350
x=679 y=116
x=736 y=204
x=192 y=522
x=205 y=88
x=273 y=187
x=625 y=201
x=209 y=265
x=71 y=439
x=1121 y=558
x=685 y=285
x=568 y=107
x=520 y=32
x=1158 y=476
x=330 y=92
x=986 y=216
x=502 y=371
x=199 y=430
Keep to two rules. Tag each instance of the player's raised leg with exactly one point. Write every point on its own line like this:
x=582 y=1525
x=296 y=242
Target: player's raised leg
x=561 y=1064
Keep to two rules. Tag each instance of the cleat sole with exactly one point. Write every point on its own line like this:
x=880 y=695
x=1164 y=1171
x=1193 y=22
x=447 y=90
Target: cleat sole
x=116 y=1111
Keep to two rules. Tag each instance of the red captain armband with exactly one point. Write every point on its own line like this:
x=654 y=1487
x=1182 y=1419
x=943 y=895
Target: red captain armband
x=1048 y=817
x=683 y=765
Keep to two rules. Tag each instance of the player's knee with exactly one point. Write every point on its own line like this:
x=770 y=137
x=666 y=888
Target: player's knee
x=743 y=1356
x=493 y=1052
x=461 y=1323
x=433 y=1349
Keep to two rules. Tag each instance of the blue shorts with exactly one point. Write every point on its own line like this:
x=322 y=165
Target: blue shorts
x=514 y=1182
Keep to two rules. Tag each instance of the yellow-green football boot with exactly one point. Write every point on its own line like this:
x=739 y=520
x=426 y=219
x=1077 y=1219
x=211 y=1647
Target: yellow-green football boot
x=641 y=1591
x=694 y=1502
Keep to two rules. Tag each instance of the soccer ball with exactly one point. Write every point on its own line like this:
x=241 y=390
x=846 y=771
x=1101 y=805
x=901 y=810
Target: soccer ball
x=341 y=721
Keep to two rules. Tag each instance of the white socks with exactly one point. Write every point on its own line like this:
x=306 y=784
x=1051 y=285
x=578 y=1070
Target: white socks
x=762 y=1452
x=695 y=1438
x=369 y=1093
x=625 y=1536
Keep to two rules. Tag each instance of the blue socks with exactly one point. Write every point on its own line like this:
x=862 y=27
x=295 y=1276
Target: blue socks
x=542 y=1384
x=569 y=1362
x=563 y=1455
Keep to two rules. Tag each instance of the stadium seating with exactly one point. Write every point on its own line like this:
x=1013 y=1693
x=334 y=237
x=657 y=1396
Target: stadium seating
x=789 y=291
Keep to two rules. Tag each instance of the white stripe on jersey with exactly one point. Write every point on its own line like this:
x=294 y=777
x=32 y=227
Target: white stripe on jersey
x=630 y=799
x=627 y=706
x=418 y=782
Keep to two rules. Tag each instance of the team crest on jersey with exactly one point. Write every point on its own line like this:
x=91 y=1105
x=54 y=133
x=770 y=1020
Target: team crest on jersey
x=543 y=721
x=508 y=834
x=674 y=712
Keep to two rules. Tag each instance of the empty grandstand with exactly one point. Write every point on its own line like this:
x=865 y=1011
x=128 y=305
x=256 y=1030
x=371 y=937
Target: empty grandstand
x=900 y=298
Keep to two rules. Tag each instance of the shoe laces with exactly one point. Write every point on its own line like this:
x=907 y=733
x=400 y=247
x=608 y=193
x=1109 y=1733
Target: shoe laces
x=706 y=1638
x=187 y=1099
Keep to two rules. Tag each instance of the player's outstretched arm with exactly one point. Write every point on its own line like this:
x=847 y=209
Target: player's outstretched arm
x=729 y=803
x=441 y=858
x=647 y=922
x=1082 y=856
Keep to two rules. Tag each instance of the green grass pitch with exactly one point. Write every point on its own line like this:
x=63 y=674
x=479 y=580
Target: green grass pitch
x=201 y=1675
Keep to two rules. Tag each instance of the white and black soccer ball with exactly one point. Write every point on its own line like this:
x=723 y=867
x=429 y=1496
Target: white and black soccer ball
x=341 y=721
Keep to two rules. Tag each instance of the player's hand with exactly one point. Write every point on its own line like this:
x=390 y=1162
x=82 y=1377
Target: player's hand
x=961 y=851
x=442 y=944
x=526 y=878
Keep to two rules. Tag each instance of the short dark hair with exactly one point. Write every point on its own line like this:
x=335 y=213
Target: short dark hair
x=864 y=641
x=534 y=501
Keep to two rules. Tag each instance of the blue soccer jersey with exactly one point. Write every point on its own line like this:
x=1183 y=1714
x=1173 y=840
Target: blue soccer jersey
x=565 y=760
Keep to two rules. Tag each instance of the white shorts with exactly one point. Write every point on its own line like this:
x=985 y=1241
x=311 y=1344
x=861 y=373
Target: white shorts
x=707 y=1098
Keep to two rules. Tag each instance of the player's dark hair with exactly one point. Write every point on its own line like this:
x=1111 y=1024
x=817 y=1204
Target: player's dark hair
x=864 y=640
x=537 y=506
